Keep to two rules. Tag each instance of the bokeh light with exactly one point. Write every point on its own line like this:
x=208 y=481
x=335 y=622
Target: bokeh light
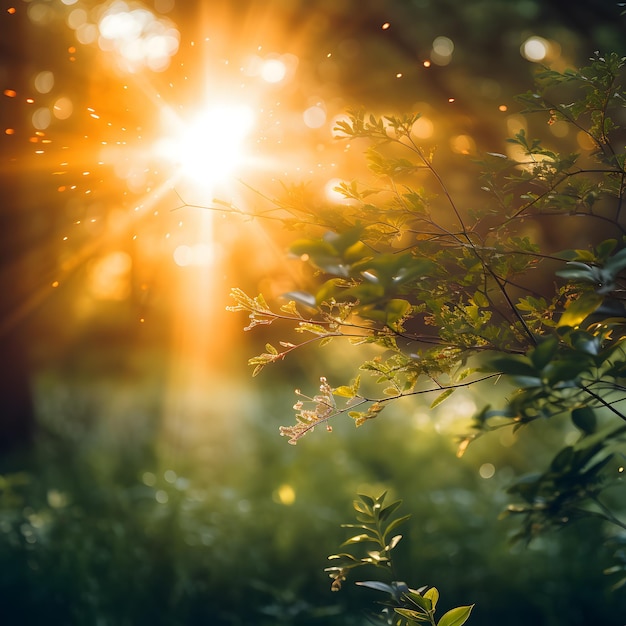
x=144 y=145
x=314 y=116
x=442 y=49
x=62 y=108
x=44 y=81
x=535 y=49
x=273 y=70
x=139 y=38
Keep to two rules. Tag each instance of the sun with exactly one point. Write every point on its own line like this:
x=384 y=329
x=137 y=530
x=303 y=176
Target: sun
x=209 y=148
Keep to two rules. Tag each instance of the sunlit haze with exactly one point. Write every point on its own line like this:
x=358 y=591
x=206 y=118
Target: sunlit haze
x=210 y=147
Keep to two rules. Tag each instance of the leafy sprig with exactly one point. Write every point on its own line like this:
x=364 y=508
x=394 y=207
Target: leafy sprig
x=376 y=526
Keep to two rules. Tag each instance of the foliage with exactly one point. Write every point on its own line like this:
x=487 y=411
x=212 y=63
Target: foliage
x=453 y=296
x=98 y=528
x=406 y=606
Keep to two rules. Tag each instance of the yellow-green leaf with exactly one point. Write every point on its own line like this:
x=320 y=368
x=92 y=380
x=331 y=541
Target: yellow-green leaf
x=456 y=617
x=433 y=595
x=441 y=397
x=344 y=391
x=290 y=308
x=580 y=308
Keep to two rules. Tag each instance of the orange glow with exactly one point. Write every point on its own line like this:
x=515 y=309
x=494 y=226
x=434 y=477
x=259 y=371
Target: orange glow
x=110 y=277
x=386 y=25
x=9 y=131
x=273 y=70
x=138 y=37
x=503 y=108
x=463 y=144
x=135 y=142
x=423 y=128
x=211 y=147
x=11 y=10
x=426 y=64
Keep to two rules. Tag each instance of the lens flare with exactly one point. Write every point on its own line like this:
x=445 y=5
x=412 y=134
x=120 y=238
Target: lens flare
x=209 y=148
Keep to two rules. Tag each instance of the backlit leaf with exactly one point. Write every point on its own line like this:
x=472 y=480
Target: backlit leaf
x=580 y=308
x=441 y=397
x=456 y=617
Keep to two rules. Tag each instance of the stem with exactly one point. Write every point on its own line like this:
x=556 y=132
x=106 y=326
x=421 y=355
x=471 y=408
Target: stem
x=607 y=513
x=603 y=402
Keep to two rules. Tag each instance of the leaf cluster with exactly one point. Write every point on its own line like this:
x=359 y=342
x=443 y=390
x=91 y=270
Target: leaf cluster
x=448 y=292
x=405 y=606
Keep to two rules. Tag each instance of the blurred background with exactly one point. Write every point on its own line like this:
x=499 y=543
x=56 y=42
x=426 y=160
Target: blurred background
x=142 y=478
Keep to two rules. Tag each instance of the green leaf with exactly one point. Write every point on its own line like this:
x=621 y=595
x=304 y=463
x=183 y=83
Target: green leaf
x=396 y=310
x=579 y=309
x=433 y=595
x=393 y=543
x=562 y=460
x=388 y=510
x=456 y=617
x=419 y=600
x=367 y=500
x=441 y=397
x=411 y=615
x=393 y=525
x=565 y=371
x=543 y=353
x=586 y=342
x=512 y=366
x=584 y=418
x=316 y=329
x=578 y=271
x=616 y=263
x=480 y=299
x=363 y=538
x=605 y=248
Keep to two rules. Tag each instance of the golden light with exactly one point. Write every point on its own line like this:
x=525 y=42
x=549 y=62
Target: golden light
x=62 y=108
x=200 y=254
x=423 y=128
x=140 y=38
x=314 y=116
x=463 y=144
x=536 y=49
x=110 y=277
x=332 y=192
x=76 y=19
x=285 y=494
x=208 y=149
x=273 y=70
